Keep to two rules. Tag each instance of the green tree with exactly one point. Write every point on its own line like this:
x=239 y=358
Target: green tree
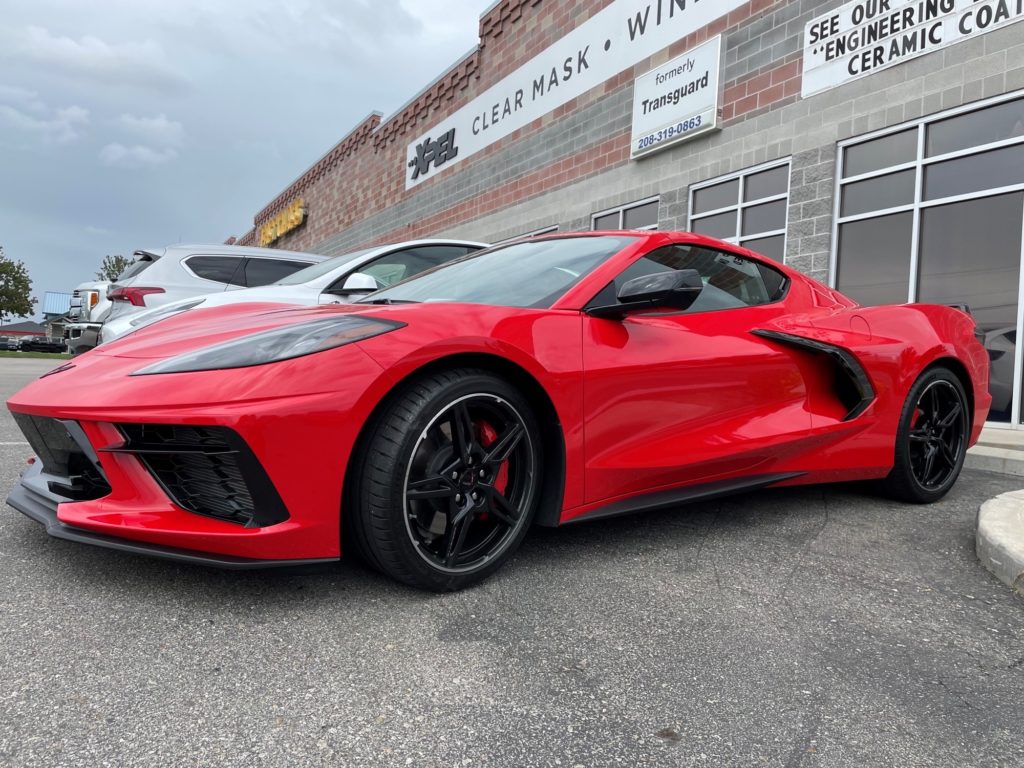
x=15 y=287
x=113 y=266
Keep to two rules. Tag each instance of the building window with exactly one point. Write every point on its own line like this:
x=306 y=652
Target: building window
x=750 y=208
x=933 y=211
x=640 y=215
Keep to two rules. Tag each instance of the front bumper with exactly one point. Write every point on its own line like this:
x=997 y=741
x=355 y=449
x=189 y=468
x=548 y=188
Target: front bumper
x=32 y=498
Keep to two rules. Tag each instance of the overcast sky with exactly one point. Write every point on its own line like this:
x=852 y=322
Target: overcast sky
x=139 y=123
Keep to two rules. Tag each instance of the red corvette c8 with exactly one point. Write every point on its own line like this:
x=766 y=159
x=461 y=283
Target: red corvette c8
x=546 y=381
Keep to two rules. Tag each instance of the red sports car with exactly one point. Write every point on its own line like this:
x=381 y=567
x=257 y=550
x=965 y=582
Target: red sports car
x=543 y=382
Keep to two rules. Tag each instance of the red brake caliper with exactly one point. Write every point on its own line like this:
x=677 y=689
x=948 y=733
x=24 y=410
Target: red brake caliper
x=486 y=434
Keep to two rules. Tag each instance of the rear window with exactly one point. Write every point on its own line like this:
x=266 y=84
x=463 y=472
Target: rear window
x=220 y=269
x=142 y=261
x=267 y=271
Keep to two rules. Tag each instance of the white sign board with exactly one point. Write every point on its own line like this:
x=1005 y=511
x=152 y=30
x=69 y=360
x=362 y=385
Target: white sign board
x=678 y=100
x=617 y=37
x=867 y=36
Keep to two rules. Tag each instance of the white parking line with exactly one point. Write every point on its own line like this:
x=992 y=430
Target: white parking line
x=21 y=442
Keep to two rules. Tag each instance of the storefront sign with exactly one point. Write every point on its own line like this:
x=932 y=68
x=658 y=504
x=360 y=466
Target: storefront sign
x=678 y=100
x=284 y=222
x=866 y=36
x=619 y=36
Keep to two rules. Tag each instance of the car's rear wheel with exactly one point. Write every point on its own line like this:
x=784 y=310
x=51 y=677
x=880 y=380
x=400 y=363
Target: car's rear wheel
x=931 y=441
x=449 y=480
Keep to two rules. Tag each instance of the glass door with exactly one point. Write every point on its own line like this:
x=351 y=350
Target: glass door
x=971 y=254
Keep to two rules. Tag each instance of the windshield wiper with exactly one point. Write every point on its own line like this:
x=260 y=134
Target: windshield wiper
x=388 y=301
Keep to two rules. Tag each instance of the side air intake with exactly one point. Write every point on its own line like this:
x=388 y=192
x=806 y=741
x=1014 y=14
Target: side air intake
x=853 y=387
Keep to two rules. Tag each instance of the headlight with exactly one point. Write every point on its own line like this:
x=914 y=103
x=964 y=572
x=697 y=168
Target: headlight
x=279 y=344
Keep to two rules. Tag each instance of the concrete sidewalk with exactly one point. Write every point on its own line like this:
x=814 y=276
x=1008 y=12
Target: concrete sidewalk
x=998 y=450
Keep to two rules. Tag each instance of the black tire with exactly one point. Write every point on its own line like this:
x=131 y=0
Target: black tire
x=443 y=439
x=931 y=441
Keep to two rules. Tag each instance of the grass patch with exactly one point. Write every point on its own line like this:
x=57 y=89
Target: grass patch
x=43 y=355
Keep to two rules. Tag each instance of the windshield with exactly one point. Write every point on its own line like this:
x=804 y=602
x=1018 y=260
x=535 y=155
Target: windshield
x=321 y=269
x=532 y=273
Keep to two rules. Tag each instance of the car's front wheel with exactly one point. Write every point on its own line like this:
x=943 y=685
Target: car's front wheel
x=449 y=480
x=931 y=442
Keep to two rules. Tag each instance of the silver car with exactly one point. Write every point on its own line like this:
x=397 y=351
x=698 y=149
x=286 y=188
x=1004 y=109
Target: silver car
x=338 y=280
x=163 y=275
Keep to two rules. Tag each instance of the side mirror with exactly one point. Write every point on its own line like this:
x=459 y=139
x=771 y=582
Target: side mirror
x=677 y=289
x=357 y=282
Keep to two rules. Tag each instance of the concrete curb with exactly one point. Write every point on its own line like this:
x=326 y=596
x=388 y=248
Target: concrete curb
x=1000 y=538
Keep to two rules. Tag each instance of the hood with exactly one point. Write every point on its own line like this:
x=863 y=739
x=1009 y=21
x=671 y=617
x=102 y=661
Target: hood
x=204 y=327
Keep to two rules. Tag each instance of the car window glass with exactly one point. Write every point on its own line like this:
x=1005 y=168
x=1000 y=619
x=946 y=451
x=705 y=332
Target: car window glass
x=266 y=271
x=222 y=269
x=730 y=281
x=393 y=267
x=527 y=273
x=142 y=262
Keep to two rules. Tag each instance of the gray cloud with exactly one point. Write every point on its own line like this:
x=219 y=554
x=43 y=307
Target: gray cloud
x=140 y=123
x=141 y=63
x=118 y=155
x=62 y=127
x=155 y=130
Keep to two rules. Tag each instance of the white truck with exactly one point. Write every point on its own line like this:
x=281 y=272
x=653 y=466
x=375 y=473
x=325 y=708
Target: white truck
x=89 y=307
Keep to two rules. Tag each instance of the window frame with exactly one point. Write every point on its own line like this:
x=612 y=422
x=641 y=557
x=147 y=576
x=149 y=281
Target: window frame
x=338 y=283
x=300 y=264
x=780 y=296
x=741 y=205
x=239 y=267
x=919 y=165
x=919 y=205
x=621 y=211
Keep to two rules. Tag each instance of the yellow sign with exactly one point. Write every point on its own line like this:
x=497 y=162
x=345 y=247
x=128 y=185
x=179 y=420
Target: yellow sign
x=287 y=220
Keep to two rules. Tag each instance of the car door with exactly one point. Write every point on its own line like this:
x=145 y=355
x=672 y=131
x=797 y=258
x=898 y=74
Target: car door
x=685 y=397
x=396 y=266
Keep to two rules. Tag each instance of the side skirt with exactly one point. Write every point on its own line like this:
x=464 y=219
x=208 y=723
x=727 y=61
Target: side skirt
x=677 y=496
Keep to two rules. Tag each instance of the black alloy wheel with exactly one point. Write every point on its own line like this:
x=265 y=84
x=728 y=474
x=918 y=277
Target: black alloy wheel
x=931 y=442
x=468 y=483
x=938 y=434
x=450 y=481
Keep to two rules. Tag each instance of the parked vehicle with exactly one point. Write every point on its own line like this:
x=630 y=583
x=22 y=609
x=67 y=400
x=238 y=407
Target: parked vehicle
x=547 y=381
x=89 y=305
x=335 y=281
x=42 y=344
x=10 y=343
x=163 y=275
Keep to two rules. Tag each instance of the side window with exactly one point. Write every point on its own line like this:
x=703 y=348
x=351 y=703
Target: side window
x=221 y=269
x=393 y=267
x=730 y=281
x=267 y=271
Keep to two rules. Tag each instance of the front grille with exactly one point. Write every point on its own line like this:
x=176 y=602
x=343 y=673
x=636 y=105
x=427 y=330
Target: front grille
x=207 y=470
x=66 y=455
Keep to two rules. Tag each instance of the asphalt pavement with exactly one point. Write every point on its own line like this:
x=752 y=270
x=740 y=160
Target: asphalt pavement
x=811 y=627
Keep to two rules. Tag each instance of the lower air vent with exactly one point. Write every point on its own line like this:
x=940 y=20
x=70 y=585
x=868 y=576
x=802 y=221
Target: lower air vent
x=67 y=455
x=207 y=470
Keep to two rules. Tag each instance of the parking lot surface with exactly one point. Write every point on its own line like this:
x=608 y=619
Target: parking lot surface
x=811 y=627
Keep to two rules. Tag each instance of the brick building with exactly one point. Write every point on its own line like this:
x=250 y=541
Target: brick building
x=877 y=145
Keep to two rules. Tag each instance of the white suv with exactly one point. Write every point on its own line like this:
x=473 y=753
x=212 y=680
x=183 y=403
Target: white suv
x=164 y=275
x=335 y=281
